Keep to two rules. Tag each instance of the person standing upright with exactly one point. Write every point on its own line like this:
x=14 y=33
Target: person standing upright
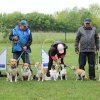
x=86 y=45
x=22 y=39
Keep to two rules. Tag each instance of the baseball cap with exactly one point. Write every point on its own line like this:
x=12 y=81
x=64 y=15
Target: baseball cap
x=60 y=48
x=87 y=20
x=24 y=23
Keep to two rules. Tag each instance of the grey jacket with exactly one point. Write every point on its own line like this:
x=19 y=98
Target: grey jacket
x=87 y=40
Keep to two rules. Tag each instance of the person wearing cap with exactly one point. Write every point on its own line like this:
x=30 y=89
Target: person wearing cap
x=86 y=44
x=57 y=49
x=22 y=39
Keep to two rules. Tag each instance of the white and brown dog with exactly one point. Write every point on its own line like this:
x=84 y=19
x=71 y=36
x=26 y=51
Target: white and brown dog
x=26 y=72
x=79 y=72
x=63 y=72
x=41 y=71
x=53 y=72
x=12 y=71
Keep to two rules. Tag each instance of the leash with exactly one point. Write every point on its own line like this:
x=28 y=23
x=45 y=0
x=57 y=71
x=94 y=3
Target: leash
x=20 y=55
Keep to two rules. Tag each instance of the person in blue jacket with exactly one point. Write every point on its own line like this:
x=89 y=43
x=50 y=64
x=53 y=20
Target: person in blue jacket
x=22 y=39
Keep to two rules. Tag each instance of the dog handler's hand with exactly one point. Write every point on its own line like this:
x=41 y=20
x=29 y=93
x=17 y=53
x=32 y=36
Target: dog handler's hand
x=58 y=61
x=15 y=38
x=25 y=48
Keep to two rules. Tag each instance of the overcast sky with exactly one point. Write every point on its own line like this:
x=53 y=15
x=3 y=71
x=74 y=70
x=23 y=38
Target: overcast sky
x=43 y=6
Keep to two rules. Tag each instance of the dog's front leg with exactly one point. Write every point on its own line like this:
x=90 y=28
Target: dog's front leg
x=65 y=77
x=7 y=79
x=43 y=77
x=61 y=77
x=22 y=78
x=77 y=77
x=10 y=78
x=16 y=78
x=38 y=77
x=29 y=77
x=55 y=78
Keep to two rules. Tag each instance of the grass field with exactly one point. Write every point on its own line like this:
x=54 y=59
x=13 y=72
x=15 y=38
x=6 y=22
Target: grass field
x=50 y=90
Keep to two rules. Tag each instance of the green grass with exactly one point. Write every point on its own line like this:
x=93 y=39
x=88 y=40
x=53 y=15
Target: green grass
x=49 y=90
x=47 y=37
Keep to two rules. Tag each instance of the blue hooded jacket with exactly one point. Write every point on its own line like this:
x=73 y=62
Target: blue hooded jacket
x=23 y=38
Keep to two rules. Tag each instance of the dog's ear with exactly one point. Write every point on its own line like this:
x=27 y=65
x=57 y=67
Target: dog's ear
x=23 y=65
x=65 y=65
x=16 y=60
x=39 y=64
x=9 y=62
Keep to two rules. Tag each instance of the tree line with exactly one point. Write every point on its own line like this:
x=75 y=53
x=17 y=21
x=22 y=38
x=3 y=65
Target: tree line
x=67 y=20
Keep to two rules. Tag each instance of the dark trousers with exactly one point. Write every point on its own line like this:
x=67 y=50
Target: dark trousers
x=50 y=63
x=25 y=57
x=83 y=56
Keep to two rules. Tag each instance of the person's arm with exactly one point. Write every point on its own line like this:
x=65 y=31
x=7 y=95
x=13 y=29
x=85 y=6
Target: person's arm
x=77 y=41
x=12 y=37
x=97 y=40
x=30 y=40
x=29 y=43
x=53 y=53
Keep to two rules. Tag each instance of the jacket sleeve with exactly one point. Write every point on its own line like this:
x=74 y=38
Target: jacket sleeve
x=77 y=40
x=96 y=40
x=30 y=40
x=11 y=36
x=53 y=53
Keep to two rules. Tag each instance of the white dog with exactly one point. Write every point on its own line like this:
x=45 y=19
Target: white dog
x=53 y=73
x=26 y=72
x=63 y=72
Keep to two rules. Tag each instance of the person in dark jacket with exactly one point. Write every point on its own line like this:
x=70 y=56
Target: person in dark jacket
x=22 y=39
x=86 y=44
x=56 y=53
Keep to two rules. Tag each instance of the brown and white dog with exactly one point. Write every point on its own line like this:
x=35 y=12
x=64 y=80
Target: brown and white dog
x=41 y=71
x=26 y=72
x=78 y=72
x=12 y=71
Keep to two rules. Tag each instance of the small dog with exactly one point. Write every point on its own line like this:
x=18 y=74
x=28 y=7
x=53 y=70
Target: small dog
x=12 y=71
x=41 y=72
x=26 y=72
x=53 y=73
x=63 y=72
x=79 y=72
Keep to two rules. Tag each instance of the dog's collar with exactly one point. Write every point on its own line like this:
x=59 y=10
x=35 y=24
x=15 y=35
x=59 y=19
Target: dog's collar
x=26 y=69
x=13 y=67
